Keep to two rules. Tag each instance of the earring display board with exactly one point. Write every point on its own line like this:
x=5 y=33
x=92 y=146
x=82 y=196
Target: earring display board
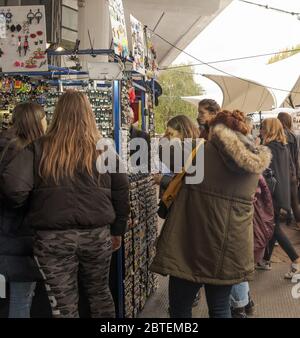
x=139 y=245
x=14 y=90
x=5 y=119
x=24 y=44
x=138 y=45
x=151 y=56
x=118 y=25
x=101 y=102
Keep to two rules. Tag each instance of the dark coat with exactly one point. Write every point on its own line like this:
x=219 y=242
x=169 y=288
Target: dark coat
x=208 y=235
x=137 y=133
x=281 y=168
x=294 y=153
x=263 y=221
x=204 y=131
x=83 y=203
x=16 y=240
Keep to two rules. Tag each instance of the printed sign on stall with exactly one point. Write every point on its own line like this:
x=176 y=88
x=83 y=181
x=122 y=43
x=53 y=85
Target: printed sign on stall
x=296 y=121
x=138 y=45
x=118 y=25
x=23 y=39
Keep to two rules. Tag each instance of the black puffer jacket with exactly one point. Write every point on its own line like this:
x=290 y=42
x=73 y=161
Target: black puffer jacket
x=84 y=203
x=16 y=256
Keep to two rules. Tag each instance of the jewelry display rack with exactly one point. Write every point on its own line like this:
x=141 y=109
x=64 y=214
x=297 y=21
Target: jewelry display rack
x=132 y=282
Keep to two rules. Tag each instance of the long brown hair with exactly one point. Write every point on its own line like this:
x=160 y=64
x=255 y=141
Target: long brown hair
x=273 y=131
x=184 y=126
x=286 y=120
x=27 y=123
x=70 y=143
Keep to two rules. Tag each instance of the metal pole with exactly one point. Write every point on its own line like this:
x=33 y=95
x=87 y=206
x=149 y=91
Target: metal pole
x=143 y=111
x=117 y=128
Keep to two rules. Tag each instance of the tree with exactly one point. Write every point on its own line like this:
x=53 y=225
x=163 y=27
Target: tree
x=287 y=52
x=175 y=84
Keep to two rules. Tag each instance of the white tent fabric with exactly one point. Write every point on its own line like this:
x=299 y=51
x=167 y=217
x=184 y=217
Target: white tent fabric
x=196 y=99
x=293 y=99
x=245 y=96
x=179 y=22
x=268 y=89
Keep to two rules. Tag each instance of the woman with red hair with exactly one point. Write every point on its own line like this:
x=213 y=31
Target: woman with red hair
x=207 y=239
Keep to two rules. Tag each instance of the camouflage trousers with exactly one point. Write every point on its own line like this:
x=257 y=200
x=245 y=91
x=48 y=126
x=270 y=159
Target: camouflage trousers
x=62 y=256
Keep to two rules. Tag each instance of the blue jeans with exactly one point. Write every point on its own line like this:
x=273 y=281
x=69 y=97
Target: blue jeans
x=182 y=294
x=20 y=301
x=239 y=296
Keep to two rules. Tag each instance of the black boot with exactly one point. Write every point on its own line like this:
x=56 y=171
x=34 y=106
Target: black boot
x=250 y=307
x=238 y=312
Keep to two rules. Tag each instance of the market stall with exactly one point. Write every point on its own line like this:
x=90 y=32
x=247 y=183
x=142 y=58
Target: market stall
x=112 y=100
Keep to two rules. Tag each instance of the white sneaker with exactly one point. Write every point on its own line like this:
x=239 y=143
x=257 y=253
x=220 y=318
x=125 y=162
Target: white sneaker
x=264 y=265
x=295 y=269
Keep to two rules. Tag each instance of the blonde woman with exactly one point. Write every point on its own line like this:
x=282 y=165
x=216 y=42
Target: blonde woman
x=273 y=136
x=78 y=214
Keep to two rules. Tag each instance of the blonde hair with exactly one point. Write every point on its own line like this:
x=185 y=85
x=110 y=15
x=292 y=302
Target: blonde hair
x=70 y=143
x=273 y=131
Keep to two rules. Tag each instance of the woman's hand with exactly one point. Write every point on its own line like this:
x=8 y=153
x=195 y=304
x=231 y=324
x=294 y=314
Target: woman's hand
x=116 y=242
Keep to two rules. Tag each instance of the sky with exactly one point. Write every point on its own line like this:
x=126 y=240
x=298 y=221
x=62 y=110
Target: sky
x=243 y=30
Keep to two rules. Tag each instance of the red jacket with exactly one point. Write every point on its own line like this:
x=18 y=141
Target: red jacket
x=263 y=221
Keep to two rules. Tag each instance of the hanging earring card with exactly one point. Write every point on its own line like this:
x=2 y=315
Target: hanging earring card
x=138 y=45
x=151 y=56
x=118 y=25
x=23 y=39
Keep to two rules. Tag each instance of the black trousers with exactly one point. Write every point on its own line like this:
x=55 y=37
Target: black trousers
x=182 y=294
x=282 y=239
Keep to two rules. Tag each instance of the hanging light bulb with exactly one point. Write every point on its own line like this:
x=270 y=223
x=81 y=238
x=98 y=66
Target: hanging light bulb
x=59 y=49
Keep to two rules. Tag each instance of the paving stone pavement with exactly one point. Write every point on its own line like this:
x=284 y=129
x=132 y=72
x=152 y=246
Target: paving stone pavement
x=271 y=293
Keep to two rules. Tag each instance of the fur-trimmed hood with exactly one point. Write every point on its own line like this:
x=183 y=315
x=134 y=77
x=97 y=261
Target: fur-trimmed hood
x=239 y=152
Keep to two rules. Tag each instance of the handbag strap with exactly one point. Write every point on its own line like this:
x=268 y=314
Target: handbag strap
x=175 y=184
x=192 y=156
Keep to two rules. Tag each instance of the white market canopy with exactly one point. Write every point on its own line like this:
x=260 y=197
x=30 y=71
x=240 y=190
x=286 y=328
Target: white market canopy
x=245 y=96
x=269 y=88
x=196 y=99
x=293 y=99
x=179 y=22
